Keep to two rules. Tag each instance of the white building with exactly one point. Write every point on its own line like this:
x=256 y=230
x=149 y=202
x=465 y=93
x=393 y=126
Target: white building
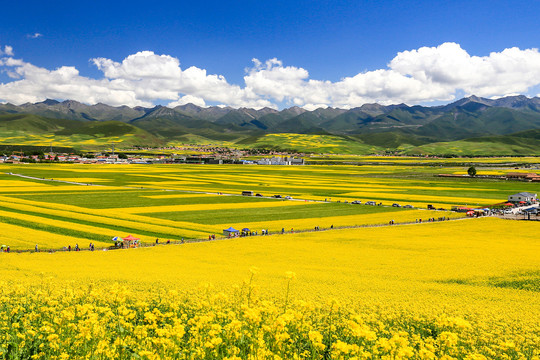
x=277 y=160
x=523 y=196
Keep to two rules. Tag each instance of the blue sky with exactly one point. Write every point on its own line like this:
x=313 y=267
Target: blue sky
x=328 y=40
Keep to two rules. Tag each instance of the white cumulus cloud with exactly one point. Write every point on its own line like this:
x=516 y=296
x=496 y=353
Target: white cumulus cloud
x=413 y=76
x=8 y=50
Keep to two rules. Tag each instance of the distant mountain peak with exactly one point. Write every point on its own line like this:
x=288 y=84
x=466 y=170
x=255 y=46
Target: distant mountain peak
x=49 y=102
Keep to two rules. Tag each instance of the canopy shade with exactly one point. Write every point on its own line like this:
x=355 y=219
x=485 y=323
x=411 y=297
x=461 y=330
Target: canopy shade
x=130 y=238
x=231 y=229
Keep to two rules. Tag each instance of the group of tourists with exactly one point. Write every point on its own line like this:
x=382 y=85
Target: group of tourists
x=77 y=248
x=442 y=218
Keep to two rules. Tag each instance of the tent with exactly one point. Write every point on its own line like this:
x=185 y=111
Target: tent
x=230 y=230
x=130 y=238
x=508 y=204
x=131 y=241
x=245 y=229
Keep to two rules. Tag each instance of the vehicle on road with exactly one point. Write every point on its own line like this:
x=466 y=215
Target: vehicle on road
x=260 y=195
x=277 y=196
x=408 y=206
x=356 y=202
x=288 y=197
x=396 y=205
x=372 y=203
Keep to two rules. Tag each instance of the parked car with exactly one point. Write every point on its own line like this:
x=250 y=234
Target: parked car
x=408 y=206
x=372 y=203
x=260 y=195
x=288 y=197
x=277 y=196
x=396 y=205
x=356 y=202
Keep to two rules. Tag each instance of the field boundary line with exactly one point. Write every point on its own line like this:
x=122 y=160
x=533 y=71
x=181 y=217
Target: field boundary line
x=223 y=238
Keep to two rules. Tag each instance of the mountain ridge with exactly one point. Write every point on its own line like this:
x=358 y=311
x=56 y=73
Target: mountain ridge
x=398 y=124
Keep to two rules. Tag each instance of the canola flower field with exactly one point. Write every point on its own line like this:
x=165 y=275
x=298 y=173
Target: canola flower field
x=373 y=293
x=462 y=289
x=175 y=202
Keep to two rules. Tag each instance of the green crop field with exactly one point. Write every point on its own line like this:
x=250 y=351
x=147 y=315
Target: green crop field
x=61 y=204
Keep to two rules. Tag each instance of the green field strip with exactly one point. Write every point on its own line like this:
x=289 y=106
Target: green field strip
x=134 y=199
x=118 y=229
x=109 y=219
x=53 y=229
x=211 y=217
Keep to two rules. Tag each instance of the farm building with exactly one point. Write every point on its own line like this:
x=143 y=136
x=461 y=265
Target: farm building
x=523 y=176
x=523 y=196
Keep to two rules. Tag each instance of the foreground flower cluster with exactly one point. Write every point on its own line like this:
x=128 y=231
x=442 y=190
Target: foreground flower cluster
x=108 y=320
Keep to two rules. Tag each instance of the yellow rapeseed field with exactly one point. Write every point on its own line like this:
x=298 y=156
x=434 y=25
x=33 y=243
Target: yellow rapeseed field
x=347 y=220
x=20 y=238
x=465 y=289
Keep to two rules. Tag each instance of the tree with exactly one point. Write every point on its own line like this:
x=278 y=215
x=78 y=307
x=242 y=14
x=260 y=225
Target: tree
x=471 y=171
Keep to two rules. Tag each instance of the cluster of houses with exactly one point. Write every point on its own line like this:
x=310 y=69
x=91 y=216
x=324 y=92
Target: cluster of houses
x=276 y=160
x=80 y=159
x=523 y=176
x=99 y=158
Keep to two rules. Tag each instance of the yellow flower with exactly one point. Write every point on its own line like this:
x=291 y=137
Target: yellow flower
x=290 y=275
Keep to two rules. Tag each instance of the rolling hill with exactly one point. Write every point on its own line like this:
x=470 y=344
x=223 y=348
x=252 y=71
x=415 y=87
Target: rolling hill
x=471 y=120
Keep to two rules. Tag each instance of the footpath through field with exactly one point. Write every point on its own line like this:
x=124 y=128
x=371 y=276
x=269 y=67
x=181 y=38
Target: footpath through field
x=222 y=238
x=60 y=181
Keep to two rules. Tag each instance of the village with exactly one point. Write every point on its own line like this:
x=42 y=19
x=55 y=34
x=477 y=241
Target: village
x=121 y=158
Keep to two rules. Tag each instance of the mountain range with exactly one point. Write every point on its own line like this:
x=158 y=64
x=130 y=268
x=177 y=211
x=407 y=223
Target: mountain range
x=373 y=124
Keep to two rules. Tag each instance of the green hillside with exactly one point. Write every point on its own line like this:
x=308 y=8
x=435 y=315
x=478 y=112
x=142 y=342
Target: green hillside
x=34 y=124
x=522 y=143
x=310 y=143
x=470 y=126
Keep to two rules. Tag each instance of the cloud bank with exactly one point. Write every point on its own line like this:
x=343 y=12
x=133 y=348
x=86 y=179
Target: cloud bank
x=414 y=76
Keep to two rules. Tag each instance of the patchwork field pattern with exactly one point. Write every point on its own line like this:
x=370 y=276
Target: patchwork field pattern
x=174 y=202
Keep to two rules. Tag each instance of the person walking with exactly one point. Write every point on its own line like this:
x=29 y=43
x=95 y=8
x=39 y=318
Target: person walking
x=36 y=248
